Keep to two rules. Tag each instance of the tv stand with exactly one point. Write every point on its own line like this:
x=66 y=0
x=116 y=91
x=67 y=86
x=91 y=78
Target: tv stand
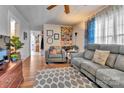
x=13 y=76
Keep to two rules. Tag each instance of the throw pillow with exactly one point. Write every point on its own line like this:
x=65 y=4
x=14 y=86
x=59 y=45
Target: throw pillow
x=59 y=51
x=100 y=56
x=88 y=54
x=53 y=52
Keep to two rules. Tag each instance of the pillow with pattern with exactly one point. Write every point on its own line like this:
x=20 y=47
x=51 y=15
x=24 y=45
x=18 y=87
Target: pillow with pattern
x=101 y=56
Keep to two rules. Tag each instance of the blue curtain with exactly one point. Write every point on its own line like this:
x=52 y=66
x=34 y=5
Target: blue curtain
x=91 y=31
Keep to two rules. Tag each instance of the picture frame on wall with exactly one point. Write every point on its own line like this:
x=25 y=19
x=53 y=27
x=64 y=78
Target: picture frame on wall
x=25 y=35
x=49 y=32
x=56 y=36
x=49 y=40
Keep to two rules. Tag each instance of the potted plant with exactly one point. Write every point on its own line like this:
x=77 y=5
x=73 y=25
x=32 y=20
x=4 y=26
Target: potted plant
x=14 y=45
x=75 y=47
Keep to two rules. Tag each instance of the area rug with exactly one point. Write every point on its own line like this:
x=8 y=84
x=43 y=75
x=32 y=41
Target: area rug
x=66 y=77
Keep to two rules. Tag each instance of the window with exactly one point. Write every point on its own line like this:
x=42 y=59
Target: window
x=110 y=26
x=12 y=27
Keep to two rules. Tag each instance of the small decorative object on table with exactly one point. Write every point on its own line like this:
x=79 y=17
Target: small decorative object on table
x=75 y=48
x=15 y=56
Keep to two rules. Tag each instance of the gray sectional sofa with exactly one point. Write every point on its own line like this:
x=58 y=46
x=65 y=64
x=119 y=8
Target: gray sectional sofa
x=110 y=75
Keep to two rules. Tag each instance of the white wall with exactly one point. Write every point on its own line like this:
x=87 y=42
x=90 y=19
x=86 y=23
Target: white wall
x=80 y=29
x=56 y=29
x=10 y=11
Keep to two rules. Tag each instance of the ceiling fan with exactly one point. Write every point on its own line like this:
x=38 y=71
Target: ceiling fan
x=66 y=8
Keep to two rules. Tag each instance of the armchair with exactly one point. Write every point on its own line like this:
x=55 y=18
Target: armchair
x=55 y=54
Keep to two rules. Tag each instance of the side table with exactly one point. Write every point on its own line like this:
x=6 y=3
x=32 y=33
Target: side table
x=68 y=55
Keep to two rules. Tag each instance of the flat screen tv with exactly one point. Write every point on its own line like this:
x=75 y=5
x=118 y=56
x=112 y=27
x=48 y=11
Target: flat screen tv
x=3 y=54
x=3 y=47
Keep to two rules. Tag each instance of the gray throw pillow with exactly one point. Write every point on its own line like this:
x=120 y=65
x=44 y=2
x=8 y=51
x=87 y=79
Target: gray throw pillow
x=119 y=64
x=88 y=54
x=111 y=60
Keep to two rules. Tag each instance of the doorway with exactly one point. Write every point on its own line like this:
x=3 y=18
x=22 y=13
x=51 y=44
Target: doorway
x=35 y=42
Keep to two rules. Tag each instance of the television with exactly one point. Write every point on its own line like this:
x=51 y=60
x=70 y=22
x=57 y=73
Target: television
x=3 y=54
x=3 y=48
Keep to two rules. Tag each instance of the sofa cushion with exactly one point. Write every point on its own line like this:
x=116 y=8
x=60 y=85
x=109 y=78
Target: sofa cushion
x=111 y=47
x=100 y=56
x=55 y=56
x=56 y=60
x=88 y=54
x=119 y=64
x=111 y=60
x=91 y=67
x=80 y=55
x=53 y=52
x=92 y=46
x=111 y=77
x=77 y=61
x=121 y=50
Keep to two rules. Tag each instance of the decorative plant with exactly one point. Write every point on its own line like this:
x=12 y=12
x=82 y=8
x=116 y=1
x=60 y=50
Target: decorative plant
x=75 y=47
x=15 y=43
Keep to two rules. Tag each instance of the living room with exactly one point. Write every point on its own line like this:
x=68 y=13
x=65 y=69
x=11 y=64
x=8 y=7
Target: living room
x=74 y=46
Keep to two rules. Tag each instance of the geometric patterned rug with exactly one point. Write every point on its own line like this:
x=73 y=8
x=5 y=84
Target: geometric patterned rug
x=66 y=77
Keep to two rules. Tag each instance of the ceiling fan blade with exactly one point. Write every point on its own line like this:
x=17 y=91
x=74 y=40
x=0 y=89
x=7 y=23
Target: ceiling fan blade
x=51 y=6
x=67 y=10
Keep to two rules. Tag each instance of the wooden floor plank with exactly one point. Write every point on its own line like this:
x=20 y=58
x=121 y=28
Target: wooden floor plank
x=31 y=65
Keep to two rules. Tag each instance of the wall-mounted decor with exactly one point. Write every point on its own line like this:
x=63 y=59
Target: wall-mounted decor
x=25 y=35
x=1 y=36
x=3 y=41
x=56 y=36
x=49 y=40
x=66 y=35
x=49 y=32
x=6 y=39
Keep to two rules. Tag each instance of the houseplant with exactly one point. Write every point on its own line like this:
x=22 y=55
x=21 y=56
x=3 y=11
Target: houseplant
x=75 y=47
x=14 y=45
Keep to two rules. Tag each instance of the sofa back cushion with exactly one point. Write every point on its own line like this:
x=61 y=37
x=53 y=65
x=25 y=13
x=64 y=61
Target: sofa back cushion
x=119 y=64
x=121 y=51
x=111 y=60
x=101 y=56
x=110 y=47
x=88 y=54
x=93 y=47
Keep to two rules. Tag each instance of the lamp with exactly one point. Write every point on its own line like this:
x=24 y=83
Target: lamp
x=75 y=34
x=75 y=37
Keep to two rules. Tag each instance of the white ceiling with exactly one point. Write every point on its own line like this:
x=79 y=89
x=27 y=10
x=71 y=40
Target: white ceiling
x=37 y=15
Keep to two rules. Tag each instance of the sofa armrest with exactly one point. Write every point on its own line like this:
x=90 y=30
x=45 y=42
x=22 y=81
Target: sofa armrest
x=80 y=54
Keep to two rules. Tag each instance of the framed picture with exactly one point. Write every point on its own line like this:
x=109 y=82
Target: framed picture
x=56 y=36
x=25 y=35
x=1 y=36
x=49 y=40
x=49 y=32
x=6 y=39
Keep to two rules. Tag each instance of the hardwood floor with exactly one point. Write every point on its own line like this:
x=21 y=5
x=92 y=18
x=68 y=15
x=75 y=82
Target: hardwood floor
x=31 y=65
